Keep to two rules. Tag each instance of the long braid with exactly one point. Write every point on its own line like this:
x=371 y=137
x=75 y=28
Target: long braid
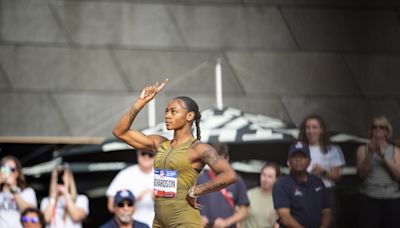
x=197 y=122
x=192 y=107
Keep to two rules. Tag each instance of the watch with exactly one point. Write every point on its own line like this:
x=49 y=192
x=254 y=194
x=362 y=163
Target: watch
x=14 y=189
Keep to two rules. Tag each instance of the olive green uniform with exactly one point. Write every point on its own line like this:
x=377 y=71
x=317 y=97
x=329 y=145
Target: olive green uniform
x=176 y=212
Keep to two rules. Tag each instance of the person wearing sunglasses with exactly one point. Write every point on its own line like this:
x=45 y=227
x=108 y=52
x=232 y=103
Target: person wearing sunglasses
x=378 y=164
x=64 y=207
x=124 y=208
x=15 y=196
x=178 y=161
x=32 y=218
x=138 y=179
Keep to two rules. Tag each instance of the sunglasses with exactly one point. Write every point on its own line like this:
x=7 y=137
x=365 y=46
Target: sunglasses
x=27 y=219
x=379 y=127
x=150 y=154
x=122 y=204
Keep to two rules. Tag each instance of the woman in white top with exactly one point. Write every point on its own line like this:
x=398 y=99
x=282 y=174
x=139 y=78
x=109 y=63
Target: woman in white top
x=64 y=207
x=327 y=160
x=14 y=196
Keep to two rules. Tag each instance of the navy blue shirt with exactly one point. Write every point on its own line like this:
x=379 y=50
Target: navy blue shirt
x=113 y=224
x=304 y=199
x=216 y=205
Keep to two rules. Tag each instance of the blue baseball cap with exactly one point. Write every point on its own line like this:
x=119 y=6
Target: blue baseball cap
x=123 y=195
x=299 y=147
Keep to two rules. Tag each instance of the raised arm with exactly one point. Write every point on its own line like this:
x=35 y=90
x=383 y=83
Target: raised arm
x=134 y=137
x=225 y=174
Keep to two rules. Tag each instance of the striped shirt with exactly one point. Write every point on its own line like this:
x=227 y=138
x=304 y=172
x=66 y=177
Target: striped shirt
x=379 y=182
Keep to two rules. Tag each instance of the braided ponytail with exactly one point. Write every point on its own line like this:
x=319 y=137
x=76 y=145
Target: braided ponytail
x=197 y=122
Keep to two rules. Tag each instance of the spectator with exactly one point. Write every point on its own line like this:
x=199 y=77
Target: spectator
x=32 y=218
x=300 y=198
x=15 y=196
x=378 y=164
x=139 y=180
x=64 y=207
x=327 y=160
x=124 y=208
x=220 y=206
x=262 y=213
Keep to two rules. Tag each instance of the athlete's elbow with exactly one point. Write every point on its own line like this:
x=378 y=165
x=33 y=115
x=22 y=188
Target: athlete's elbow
x=232 y=177
x=117 y=133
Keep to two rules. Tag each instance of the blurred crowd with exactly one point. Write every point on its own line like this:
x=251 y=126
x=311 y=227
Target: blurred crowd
x=304 y=197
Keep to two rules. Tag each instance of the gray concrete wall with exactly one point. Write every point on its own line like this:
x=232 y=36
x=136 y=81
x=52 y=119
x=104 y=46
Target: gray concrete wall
x=71 y=68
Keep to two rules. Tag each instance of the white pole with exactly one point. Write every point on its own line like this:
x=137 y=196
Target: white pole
x=152 y=113
x=218 y=84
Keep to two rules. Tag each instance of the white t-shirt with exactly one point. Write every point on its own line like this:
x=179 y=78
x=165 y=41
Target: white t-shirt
x=9 y=213
x=333 y=158
x=136 y=181
x=58 y=221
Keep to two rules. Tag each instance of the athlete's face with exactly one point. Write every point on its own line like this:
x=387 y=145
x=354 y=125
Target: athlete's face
x=176 y=115
x=313 y=131
x=268 y=178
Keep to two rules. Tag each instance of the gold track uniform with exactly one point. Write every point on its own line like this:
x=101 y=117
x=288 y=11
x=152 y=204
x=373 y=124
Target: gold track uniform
x=173 y=177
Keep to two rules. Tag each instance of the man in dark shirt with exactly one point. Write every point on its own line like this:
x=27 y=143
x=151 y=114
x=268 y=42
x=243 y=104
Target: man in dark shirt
x=124 y=207
x=227 y=207
x=300 y=198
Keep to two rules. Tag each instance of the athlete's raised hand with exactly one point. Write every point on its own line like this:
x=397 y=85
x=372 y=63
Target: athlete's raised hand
x=149 y=92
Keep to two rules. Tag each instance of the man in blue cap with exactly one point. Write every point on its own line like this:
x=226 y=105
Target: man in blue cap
x=300 y=198
x=124 y=207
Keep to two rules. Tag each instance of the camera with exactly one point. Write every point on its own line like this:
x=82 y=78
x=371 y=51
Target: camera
x=5 y=170
x=60 y=175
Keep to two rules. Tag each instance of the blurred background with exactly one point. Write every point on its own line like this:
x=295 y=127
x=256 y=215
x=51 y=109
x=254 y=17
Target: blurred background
x=70 y=69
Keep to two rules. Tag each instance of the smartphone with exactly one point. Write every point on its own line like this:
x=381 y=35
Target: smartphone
x=60 y=177
x=5 y=170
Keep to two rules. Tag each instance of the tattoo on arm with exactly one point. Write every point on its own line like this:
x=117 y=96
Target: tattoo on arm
x=211 y=157
x=132 y=114
x=210 y=186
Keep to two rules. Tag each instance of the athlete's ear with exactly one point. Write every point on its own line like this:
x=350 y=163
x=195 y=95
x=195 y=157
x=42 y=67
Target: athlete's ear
x=190 y=116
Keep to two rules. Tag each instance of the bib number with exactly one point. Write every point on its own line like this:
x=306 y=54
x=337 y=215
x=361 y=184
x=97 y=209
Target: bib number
x=165 y=183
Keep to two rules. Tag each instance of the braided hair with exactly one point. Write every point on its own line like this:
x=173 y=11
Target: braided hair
x=192 y=107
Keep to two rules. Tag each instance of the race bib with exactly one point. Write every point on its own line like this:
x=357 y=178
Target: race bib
x=165 y=183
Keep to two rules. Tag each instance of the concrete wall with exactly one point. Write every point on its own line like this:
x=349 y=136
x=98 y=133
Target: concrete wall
x=71 y=68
